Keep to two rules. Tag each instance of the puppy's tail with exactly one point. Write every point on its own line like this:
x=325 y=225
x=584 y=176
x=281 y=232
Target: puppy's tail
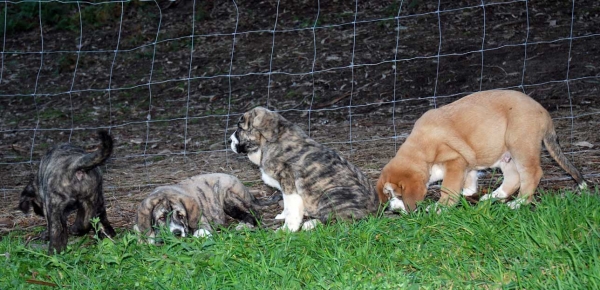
x=551 y=143
x=96 y=158
x=266 y=202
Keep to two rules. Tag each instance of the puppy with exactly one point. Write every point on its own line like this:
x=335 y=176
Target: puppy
x=193 y=205
x=69 y=179
x=488 y=129
x=315 y=180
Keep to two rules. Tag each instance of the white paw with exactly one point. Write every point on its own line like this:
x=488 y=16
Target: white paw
x=436 y=207
x=202 y=233
x=281 y=216
x=515 y=204
x=242 y=226
x=485 y=197
x=291 y=226
x=310 y=225
x=499 y=193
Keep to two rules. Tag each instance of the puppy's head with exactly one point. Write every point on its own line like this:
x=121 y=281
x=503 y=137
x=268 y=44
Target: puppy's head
x=401 y=187
x=175 y=212
x=254 y=126
x=29 y=198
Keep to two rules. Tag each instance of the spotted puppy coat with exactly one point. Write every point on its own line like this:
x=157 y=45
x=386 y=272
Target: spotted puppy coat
x=194 y=205
x=69 y=179
x=315 y=180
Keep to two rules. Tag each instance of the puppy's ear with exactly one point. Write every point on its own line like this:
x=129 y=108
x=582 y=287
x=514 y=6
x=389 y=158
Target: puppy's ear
x=266 y=122
x=192 y=212
x=245 y=119
x=144 y=213
x=412 y=190
x=27 y=196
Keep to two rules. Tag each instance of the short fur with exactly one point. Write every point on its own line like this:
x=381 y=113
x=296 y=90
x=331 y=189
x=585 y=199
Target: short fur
x=315 y=180
x=197 y=203
x=69 y=179
x=487 y=129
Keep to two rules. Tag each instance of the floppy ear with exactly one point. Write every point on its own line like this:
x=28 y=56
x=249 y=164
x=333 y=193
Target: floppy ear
x=244 y=121
x=192 y=212
x=266 y=122
x=27 y=196
x=412 y=191
x=144 y=214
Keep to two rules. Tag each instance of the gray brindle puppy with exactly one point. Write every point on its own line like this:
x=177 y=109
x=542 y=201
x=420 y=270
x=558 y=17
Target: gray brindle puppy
x=315 y=180
x=69 y=179
x=194 y=205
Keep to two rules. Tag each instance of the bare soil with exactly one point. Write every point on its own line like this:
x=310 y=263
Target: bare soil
x=178 y=125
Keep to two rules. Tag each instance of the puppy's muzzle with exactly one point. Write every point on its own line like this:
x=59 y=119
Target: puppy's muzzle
x=235 y=144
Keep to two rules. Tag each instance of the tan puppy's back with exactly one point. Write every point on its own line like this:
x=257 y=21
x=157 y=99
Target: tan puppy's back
x=478 y=125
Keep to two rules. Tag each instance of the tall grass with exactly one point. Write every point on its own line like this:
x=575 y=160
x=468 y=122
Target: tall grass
x=554 y=244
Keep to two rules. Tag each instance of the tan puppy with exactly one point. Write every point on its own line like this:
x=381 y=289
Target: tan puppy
x=487 y=129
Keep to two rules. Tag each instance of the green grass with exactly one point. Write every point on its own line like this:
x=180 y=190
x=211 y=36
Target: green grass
x=552 y=245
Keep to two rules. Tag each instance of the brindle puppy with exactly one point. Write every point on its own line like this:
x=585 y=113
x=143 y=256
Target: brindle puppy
x=193 y=205
x=315 y=180
x=69 y=179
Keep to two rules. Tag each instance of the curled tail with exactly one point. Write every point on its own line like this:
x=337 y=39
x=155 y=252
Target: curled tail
x=551 y=143
x=272 y=200
x=91 y=160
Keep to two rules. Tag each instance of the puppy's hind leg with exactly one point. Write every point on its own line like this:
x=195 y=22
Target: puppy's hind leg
x=241 y=210
x=530 y=173
x=57 y=225
x=108 y=229
x=509 y=185
x=82 y=223
x=470 y=186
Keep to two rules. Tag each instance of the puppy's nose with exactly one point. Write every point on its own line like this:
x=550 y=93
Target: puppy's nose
x=177 y=233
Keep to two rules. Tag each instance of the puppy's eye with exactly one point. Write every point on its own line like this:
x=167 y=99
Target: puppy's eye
x=179 y=216
x=162 y=218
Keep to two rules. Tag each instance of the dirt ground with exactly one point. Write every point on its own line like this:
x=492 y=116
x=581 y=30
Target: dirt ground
x=171 y=101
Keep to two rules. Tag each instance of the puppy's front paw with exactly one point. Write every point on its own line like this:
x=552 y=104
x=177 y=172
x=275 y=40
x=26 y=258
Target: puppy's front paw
x=310 y=225
x=438 y=208
x=516 y=204
x=485 y=197
x=290 y=226
x=242 y=226
x=281 y=216
x=202 y=233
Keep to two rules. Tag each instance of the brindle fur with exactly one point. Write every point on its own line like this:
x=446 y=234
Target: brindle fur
x=329 y=185
x=69 y=179
x=198 y=203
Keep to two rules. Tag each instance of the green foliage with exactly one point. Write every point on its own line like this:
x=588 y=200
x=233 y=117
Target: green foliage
x=25 y=16
x=551 y=245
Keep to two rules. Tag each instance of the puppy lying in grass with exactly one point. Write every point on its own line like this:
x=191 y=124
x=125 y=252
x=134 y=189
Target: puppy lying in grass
x=488 y=129
x=69 y=179
x=194 y=205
